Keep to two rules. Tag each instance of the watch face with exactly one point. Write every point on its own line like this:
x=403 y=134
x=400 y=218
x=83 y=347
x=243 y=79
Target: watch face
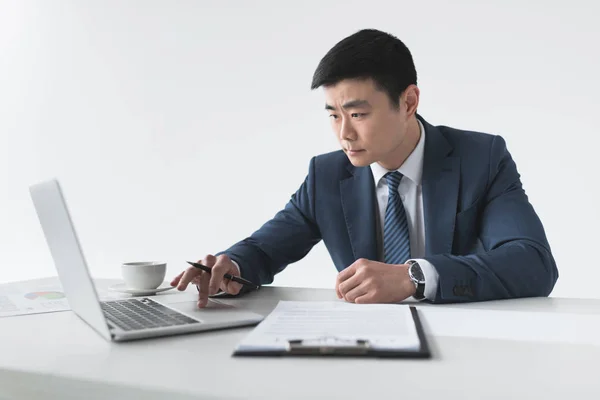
x=417 y=273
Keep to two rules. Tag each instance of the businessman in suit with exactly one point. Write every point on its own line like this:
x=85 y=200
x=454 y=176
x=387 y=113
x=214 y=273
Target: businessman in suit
x=406 y=208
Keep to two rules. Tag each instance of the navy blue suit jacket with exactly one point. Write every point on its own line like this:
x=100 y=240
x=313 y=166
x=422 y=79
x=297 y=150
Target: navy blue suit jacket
x=481 y=233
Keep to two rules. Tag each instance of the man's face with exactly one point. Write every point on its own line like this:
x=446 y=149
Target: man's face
x=369 y=128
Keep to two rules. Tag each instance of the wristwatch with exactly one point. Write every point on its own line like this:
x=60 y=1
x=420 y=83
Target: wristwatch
x=416 y=275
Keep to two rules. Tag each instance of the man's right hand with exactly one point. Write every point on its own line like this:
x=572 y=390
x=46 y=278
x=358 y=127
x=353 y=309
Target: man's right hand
x=209 y=283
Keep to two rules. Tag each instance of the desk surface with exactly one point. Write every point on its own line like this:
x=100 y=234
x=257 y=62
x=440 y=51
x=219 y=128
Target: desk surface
x=58 y=354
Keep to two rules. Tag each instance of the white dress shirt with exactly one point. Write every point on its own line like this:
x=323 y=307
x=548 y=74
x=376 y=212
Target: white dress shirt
x=411 y=194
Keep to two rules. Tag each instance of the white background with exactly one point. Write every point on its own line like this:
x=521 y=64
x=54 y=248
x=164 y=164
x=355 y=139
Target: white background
x=178 y=127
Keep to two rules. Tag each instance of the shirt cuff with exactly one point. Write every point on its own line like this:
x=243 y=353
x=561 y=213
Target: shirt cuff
x=240 y=272
x=431 y=278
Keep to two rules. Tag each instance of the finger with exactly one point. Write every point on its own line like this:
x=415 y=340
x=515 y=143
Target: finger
x=233 y=287
x=175 y=280
x=230 y=286
x=367 y=298
x=347 y=272
x=219 y=269
x=358 y=291
x=209 y=260
x=187 y=277
x=337 y=289
x=196 y=280
x=350 y=283
x=203 y=295
x=193 y=272
x=342 y=277
x=224 y=283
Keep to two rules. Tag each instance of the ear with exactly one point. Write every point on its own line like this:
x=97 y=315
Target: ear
x=410 y=100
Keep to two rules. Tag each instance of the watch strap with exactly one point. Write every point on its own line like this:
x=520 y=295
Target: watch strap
x=420 y=285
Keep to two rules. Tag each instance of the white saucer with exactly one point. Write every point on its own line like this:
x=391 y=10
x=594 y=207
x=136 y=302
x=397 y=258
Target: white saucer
x=122 y=288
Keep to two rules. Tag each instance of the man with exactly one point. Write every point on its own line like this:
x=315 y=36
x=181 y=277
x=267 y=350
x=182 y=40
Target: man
x=405 y=208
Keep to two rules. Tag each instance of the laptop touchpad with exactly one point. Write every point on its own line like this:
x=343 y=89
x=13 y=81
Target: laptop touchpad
x=192 y=306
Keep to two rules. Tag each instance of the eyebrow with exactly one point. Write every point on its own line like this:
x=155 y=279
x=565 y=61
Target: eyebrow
x=350 y=104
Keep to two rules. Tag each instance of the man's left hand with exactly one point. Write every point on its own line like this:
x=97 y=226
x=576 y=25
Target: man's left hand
x=368 y=281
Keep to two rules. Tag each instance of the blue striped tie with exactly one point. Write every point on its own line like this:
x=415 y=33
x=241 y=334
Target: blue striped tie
x=396 y=240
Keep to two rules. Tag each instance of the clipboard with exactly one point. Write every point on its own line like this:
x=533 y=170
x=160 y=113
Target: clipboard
x=331 y=346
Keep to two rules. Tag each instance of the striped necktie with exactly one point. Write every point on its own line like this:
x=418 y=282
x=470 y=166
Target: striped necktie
x=396 y=239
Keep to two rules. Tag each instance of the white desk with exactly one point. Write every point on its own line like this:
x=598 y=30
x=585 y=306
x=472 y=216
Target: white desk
x=58 y=356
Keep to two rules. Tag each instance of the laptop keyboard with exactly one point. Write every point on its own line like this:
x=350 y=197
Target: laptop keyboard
x=144 y=313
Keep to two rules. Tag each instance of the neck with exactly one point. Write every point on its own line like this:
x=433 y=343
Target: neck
x=405 y=148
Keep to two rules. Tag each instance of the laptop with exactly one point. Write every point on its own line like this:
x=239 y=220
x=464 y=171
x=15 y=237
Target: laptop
x=122 y=319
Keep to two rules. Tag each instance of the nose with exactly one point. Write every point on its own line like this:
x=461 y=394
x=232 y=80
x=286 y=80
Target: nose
x=347 y=130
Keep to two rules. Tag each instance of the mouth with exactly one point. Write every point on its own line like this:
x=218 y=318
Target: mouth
x=352 y=152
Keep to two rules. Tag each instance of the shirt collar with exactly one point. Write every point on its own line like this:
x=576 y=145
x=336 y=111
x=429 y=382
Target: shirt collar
x=412 y=168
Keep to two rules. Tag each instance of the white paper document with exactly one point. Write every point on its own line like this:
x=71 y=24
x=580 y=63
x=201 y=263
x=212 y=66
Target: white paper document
x=22 y=298
x=383 y=326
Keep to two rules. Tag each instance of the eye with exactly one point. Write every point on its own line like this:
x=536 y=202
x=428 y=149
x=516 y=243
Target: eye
x=333 y=116
x=358 y=115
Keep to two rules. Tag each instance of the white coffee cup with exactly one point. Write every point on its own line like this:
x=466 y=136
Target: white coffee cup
x=143 y=274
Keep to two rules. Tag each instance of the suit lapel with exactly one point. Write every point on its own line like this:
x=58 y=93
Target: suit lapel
x=440 y=182
x=359 y=206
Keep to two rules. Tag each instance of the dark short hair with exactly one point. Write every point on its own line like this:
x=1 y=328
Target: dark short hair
x=369 y=53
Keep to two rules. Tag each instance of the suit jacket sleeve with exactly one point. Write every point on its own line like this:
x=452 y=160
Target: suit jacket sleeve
x=285 y=239
x=516 y=260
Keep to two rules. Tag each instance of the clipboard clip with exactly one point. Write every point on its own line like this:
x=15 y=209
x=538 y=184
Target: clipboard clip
x=328 y=345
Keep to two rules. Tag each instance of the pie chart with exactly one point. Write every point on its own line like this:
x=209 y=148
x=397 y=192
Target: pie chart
x=45 y=295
